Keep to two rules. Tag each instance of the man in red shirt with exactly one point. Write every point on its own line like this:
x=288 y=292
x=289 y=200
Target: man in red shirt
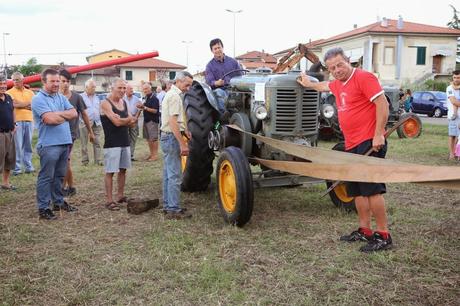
x=363 y=113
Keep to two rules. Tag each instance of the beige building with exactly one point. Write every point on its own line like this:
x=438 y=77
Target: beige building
x=396 y=51
x=106 y=55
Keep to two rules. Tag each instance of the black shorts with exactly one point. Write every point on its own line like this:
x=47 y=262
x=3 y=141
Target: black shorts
x=366 y=189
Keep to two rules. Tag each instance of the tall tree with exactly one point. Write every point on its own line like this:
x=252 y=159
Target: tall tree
x=455 y=24
x=30 y=67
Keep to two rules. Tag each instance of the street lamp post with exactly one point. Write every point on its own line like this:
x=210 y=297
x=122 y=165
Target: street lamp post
x=186 y=42
x=92 y=52
x=4 y=55
x=234 y=28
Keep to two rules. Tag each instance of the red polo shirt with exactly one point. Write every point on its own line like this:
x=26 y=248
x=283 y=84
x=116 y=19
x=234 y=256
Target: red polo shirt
x=356 y=110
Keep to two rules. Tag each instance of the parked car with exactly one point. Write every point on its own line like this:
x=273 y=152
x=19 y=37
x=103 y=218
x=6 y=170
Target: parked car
x=432 y=103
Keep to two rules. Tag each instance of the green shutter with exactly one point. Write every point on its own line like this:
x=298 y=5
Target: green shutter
x=172 y=75
x=421 y=55
x=128 y=75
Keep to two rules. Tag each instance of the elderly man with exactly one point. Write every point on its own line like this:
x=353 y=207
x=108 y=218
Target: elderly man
x=173 y=126
x=363 y=113
x=132 y=101
x=151 y=108
x=22 y=99
x=52 y=113
x=92 y=108
x=77 y=102
x=116 y=119
x=7 y=129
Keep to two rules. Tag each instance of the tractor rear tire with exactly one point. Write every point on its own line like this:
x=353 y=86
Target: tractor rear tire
x=339 y=194
x=235 y=187
x=412 y=128
x=201 y=116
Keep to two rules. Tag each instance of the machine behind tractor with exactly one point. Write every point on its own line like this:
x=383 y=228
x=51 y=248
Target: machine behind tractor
x=329 y=123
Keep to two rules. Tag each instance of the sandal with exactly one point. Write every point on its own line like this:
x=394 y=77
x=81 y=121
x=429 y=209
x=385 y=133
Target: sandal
x=9 y=187
x=122 y=200
x=112 y=206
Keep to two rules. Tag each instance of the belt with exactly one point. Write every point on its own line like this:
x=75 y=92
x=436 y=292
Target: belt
x=5 y=130
x=181 y=132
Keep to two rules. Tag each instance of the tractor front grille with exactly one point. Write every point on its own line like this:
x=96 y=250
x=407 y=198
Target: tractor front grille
x=296 y=111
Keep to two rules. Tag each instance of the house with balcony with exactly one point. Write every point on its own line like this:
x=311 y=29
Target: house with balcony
x=398 y=52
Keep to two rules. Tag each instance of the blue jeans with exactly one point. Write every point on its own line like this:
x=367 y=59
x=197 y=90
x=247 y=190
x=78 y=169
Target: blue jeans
x=53 y=166
x=221 y=96
x=23 y=140
x=172 y=174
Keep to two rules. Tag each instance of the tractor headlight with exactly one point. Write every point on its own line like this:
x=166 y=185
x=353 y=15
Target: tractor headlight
x=327 y=111
x=261 y=112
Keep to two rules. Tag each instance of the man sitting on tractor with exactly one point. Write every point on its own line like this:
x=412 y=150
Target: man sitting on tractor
x=219 y=72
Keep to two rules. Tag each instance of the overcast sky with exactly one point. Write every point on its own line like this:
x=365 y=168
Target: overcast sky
x=38 y=28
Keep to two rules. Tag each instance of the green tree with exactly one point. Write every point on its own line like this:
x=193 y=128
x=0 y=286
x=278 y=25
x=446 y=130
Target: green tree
x=30 y=67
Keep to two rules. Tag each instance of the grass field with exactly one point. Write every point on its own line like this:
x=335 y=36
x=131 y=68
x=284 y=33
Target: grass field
x=289 y=253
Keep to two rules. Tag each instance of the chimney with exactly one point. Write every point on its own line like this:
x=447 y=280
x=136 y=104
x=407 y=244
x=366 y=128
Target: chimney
x=355 y=26
x=400 y=24
x=384 y=22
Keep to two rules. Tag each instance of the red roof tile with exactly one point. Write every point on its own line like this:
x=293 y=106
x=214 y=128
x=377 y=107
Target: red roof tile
x=254 y=65
x=408 y=28
x=257 y=55
x=153 y=63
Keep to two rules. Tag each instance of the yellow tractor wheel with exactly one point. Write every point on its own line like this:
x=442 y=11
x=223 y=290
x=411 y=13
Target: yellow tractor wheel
x=234 y=185
x=339 y=195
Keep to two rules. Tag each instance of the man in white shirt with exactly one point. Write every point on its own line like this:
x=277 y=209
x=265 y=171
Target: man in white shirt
x=132 y=101
x=453 y=112
x=92 y=103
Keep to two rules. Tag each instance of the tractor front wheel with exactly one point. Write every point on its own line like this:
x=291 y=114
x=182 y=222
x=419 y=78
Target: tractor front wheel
x=234 y=185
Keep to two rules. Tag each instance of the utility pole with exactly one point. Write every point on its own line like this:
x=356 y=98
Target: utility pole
x=186 y=42
x=5 y=67
x=234 y=28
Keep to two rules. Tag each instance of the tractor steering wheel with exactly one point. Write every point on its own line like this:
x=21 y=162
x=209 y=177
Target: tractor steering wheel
x=233 y=71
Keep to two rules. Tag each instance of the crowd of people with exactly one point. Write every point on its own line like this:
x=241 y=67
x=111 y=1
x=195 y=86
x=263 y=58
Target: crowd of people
x=62 y=116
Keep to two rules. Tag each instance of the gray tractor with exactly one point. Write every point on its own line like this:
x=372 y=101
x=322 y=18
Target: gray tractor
x=273 y=105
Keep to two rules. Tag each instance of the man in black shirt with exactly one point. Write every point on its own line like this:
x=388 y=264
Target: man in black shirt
x=77 y=102
x=116 y=119
x=7 y=129
x=151 y=120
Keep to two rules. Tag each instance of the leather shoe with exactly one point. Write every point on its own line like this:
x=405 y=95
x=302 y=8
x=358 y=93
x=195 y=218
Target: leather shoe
x=178 y=215
x=65 y=206
x=47 y=214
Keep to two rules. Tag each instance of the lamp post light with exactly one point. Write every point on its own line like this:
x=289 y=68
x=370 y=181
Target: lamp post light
x=4 y=54
x=186 y=42
x=234 y=28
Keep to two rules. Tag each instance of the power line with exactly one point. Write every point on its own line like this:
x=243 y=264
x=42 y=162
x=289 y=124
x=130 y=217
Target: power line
x=46 y=53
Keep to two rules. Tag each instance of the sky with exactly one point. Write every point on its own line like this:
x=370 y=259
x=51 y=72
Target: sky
x=67 y=31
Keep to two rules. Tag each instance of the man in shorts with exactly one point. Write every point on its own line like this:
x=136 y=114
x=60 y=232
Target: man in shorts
x=7 y=130
x=151 y=120
x=116 y=119
x=363 y=113
x=453 y=112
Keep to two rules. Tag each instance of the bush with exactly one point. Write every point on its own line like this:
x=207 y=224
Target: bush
x=435 y=85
